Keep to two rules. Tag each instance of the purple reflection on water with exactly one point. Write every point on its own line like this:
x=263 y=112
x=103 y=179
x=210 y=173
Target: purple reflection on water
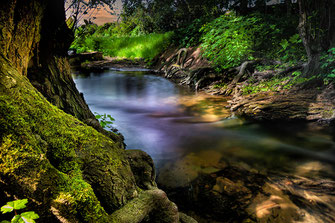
x=167 y=122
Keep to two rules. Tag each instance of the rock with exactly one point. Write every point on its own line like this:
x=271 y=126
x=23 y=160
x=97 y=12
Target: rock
x=306 y=105
x=180 y=174
x=217 y=196
x=143 y=168
x=224 y=185
x=272 y=205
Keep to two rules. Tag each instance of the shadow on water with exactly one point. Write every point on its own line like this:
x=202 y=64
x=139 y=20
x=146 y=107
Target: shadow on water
x=194 y=139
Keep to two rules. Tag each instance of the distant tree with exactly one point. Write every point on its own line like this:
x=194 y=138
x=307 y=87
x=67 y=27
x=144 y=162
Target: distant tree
x=77 y=9
x=317 y=30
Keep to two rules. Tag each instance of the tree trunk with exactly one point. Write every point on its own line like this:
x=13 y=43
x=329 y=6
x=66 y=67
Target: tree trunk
x=288 y=4
x=49 y=70
x=67 y=170
x=317 y=31
x=244 y=7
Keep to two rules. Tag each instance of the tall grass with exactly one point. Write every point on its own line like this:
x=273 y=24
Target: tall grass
x=144 y=46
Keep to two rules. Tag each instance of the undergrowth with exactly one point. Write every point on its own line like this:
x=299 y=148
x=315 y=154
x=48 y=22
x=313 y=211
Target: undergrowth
x=229 y=40
x=275 y=83
x=133 y=47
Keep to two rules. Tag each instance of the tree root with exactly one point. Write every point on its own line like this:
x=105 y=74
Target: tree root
x=170 y=68
x=152 y=203
x=289 y=70
x=236 y=79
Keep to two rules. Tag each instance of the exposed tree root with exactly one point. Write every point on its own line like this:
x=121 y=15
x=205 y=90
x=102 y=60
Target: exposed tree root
x=153 y=203
x=237 y=78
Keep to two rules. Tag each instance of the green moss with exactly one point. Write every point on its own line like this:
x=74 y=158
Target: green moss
x=328 y=113
x=275 y=84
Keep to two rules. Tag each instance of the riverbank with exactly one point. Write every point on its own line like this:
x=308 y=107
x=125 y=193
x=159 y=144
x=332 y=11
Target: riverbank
x=268 y=95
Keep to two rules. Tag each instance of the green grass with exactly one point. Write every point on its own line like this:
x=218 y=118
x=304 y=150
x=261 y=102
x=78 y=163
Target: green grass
x=276 y=83
x=133 y=47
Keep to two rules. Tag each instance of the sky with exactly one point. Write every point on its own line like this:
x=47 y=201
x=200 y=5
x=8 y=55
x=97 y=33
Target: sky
x=102 y=15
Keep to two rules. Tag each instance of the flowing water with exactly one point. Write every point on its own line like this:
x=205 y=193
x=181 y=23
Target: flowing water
x=170 y=122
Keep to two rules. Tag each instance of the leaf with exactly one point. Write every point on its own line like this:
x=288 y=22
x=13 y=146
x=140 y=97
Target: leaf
x=29 y=216
x=19 y=204
x=6 y=208
x=110 y=117
x=5 y=221
x=284 y=44
x=17 y=219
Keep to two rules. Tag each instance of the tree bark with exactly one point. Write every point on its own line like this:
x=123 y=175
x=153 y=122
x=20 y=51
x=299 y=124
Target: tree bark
x=49 y=70
x=317 y=30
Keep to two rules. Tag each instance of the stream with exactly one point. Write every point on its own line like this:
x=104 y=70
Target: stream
x=188 y=133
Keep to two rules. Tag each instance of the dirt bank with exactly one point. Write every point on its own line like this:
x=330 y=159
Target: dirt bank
x=290 y=100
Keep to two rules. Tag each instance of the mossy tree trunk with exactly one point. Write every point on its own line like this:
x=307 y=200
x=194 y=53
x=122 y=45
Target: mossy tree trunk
x=49 y=70
x=68 y=170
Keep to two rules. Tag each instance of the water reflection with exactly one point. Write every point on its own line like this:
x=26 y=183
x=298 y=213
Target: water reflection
x=173 y=124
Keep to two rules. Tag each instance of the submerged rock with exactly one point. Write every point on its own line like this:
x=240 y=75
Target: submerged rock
x=236 y=192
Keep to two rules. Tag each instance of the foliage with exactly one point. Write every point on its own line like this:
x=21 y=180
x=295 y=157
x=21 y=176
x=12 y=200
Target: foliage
x=143 y=46
x=291 y=50
x=227 y=40
x=168 y=15
x=25 y=217
x=105 y=120
x=328 y=66
x=189 y=36
x=230 y=39
x=276 y=83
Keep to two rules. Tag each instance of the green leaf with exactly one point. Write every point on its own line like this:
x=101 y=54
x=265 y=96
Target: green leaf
x=17 y=219
x=110 y=117
x=5 y=221
x=29 y=216
x=6 y=208
x=19 y=204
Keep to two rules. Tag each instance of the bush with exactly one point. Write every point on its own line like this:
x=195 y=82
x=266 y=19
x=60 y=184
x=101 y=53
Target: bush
x=328 y=66
x=189 y=36
x=230 y=39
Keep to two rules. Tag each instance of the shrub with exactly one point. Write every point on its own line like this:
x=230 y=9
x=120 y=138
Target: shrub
x=228 y=40
x=189 y=36
x=328 y=66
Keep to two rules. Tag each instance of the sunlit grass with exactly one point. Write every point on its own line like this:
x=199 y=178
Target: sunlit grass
x=145 y=46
